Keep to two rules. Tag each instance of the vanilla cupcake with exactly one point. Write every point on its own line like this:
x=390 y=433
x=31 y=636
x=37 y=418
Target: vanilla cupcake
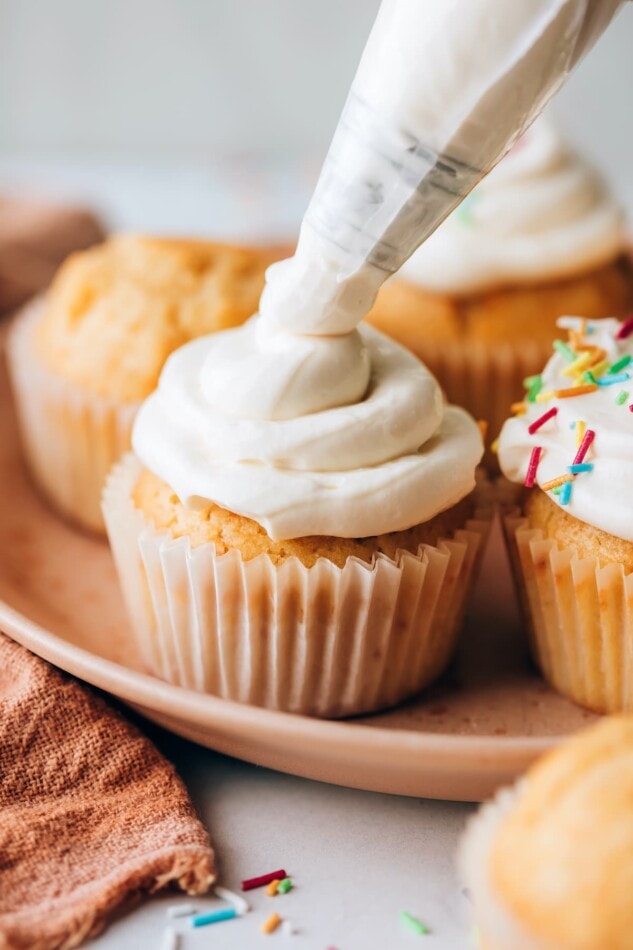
x=548 y=863
x=298 y=527
x=83 y=358
x=571 y=444
x=478 y=301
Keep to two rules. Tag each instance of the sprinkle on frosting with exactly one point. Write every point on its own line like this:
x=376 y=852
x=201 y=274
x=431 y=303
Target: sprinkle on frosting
x=565 y=493
x=587 y=439
x=626 y=329
x=575 y=391
x=586 y=463
x=535 y=458
x=620 y=364
x=534 y=426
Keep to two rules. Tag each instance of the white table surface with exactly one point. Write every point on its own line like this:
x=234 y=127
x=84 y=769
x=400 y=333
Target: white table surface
x=357 y=858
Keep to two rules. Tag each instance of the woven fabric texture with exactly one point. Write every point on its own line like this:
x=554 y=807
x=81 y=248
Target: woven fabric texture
x=91 y=815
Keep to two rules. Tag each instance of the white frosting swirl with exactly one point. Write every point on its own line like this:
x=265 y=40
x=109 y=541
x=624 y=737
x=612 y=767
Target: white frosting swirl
x=541 y=213
x=320 y=457
x=600 y=497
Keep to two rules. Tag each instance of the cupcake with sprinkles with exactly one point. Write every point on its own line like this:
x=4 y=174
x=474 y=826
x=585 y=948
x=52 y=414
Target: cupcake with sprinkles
x=570 y=444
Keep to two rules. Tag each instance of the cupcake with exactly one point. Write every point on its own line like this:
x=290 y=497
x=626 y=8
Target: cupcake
x=298 y=526
x=478 y=301
x=83 y=358
x=548 y=863
x=570 y=444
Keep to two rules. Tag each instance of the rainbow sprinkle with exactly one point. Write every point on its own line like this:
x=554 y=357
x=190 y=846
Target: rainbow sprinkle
x=625 y=330
x=565 y=351
x=270 y=924
x=621 y=397
x=584 y=446
x=610 y=380
x=214 y=917
x=580 y=467
x=533 y=464
x=575 y=391
x=621 y=364
x=565 y=493
x=533 y=385
x=555 y=482
x=536 y=425
x=580 y=364
x=412 y=923
x=263 y=879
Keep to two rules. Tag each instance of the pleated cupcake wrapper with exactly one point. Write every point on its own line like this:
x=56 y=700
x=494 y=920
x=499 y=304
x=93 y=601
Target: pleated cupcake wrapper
x=70 y=438
x=497 y=929
x=579 y=617
x=322 y=641
x=484 y=378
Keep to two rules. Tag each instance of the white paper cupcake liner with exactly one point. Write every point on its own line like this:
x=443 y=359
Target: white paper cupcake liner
x=496 y=928
x=322 y=641
x=485 y=379
x=70 y=438
x=579 y=617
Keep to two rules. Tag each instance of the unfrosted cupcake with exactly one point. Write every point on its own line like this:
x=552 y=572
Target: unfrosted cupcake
x=82 y=358
x=478 y=301
x=298 y=528
x=548 y=863
x=571 y=444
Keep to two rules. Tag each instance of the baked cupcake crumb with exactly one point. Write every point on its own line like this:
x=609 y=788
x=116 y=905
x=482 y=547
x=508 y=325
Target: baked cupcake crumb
x=155 y=293
x=227 y=530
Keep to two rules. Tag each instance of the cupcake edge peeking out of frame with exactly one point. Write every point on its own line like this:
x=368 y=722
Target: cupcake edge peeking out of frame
x=83 y=357
x=542 y=235
x=571 y=544
x=292 y=553
x=548 y=862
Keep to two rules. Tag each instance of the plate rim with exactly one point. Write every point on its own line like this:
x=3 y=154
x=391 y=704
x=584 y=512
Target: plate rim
x=142 y=689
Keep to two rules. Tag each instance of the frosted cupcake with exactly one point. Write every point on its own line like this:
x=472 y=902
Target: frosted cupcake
x=82 y=358
x=571 y=445
x=298 y=527
x=478 y=301
x=548 y=863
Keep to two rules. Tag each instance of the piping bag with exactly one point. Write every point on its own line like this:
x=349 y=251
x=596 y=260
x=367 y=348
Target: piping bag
x=443 y=90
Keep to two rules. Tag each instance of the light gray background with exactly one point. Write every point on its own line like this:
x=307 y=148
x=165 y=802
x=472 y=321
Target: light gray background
x=187 y=82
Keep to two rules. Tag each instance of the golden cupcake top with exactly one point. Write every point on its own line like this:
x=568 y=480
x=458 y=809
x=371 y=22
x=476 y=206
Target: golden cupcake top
x=208 y=523
x=154 y=293
x=561 y=862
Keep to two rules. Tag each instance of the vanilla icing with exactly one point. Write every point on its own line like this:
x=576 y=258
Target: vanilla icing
x=542 y=213
x=393 y=459
x=598 y=496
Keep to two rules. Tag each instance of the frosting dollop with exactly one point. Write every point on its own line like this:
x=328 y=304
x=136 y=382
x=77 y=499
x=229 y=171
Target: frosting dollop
x=600 y=496
x=542 y=213
x=380 y=456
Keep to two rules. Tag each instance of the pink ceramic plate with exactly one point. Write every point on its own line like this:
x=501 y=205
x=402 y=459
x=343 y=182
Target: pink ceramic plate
x=488 y=719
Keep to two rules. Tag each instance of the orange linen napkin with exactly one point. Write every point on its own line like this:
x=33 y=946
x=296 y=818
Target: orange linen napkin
x=91 y=816
x=35 y=237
